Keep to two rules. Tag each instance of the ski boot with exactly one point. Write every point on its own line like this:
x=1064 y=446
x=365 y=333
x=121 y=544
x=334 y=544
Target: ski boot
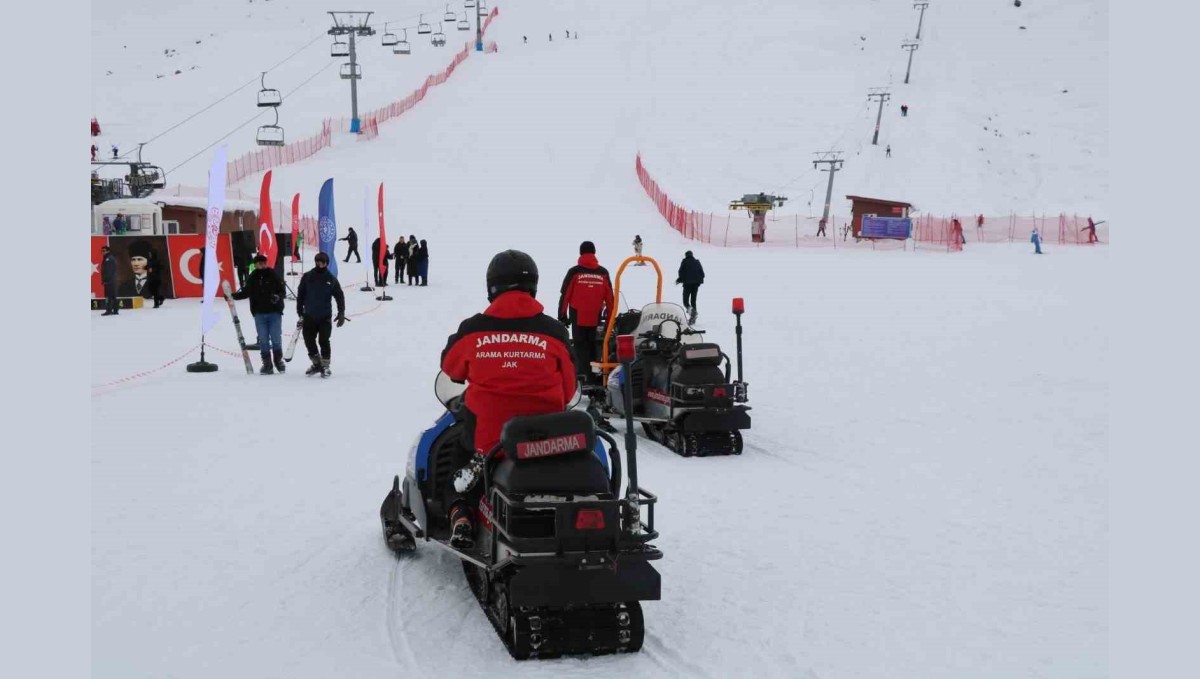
x=315 y=368
x=267 y=368
x=462 y=535
x=280 y=366
x=325 y=368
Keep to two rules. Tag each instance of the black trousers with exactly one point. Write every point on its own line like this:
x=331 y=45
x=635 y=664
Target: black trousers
x=110 y=297
x=400 y=265
x=353 y=251
x=316 y=331
x=584 y=342
x=689 y=295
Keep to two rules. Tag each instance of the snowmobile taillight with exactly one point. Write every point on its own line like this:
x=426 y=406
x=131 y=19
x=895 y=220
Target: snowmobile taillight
x=589 y=519
x=739 y=305
x=625 y=352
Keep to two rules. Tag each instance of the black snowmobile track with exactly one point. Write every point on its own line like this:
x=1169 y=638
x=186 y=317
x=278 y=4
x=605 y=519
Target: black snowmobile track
x=696 y=444
x=541 y=632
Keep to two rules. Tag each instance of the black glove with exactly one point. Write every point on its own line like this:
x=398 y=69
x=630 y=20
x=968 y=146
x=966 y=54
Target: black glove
x=466 y=478
x=341 y=320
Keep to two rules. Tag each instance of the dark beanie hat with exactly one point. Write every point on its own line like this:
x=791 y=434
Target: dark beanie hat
x=587 y=247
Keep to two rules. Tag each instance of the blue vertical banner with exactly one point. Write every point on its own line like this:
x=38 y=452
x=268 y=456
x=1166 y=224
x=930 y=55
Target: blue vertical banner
x=327 y=225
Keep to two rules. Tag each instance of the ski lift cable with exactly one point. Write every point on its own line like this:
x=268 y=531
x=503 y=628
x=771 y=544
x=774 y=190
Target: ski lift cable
x=218 y=101
x=254 y=117
x=853 y=121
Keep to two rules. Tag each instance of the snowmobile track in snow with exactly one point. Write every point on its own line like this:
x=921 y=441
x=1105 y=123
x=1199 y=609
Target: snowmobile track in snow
x=401 y=651
x=672 y=662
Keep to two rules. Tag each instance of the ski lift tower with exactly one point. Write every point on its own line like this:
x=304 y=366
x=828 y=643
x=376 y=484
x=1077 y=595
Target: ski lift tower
x=352 y=24
x=758 y=204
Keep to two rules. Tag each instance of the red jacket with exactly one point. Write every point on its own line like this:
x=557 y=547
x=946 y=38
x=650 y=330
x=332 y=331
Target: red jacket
x=516 y=361
x=586 y=290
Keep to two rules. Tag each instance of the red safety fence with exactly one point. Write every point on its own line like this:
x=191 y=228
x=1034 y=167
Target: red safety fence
x=269 y=157
x=929 y=232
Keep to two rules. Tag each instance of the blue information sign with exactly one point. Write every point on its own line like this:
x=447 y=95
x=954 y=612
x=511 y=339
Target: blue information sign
x=886 y=227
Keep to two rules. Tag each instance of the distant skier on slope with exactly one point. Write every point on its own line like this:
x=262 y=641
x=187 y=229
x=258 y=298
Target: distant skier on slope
x=1037 y=242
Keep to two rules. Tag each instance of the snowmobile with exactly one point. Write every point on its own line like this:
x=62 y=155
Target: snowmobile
x=561 y=557
x=682 y=392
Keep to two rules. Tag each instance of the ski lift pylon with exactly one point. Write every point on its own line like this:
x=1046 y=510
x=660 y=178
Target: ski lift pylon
x=271 y=135
x=268 y=96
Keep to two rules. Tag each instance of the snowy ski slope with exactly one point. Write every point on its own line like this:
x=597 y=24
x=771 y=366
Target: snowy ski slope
x=923 y=492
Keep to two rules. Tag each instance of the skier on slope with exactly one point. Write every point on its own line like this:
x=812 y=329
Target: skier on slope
x=1091 y=229
x=314 y=304
x=539 y=380
x=1037 y=242
x=266 y=293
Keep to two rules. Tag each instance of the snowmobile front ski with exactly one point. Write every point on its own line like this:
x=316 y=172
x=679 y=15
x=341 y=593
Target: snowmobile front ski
x=237 y=325
x=291 y=347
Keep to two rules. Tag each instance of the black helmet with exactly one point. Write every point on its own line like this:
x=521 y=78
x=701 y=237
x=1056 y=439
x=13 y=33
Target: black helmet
x=511 y=270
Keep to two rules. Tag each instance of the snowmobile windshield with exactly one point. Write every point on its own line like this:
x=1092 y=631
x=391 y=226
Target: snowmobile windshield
x=446 y=390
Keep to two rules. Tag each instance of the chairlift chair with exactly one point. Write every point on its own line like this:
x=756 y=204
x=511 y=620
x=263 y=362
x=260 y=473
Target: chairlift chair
x=463 y=24
x=268 y=96
x=483 y=8
x=469 y=4
x=449 y=16
x=439 y=38
x=402 y=47
x=339 y=49
x=347 y=74
x=422 y=27
x=390 y=40
x=271 y=135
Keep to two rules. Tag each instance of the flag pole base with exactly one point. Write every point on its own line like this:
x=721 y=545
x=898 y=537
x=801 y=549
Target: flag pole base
x=202 y=367
x=384 y=298
x=366 y=288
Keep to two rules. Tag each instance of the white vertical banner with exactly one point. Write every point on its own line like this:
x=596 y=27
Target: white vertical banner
x=367 y=240
x=212 y=272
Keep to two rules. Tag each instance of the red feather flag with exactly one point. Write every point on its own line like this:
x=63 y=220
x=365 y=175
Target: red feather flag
x=267 y=243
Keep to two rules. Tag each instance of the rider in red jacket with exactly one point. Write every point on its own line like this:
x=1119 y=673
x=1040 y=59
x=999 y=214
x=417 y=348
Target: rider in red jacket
x=515 y=361
x=586 y=296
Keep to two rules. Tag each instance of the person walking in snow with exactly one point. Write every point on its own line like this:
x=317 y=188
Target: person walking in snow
x=114 y=150
x=585 y=298
x=351 y=245
x=903 y=110
x=319 y=288
x=1037 y=242
x=95 y=149
x=956 y=229
x=525 y=39
x=691 y=277
x=264 y=288
x=821 y=227
x=889 y=151
x=1091 y=229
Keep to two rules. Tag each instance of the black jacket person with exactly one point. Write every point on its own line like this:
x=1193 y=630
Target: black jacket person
x=691 y=276
x=314 y=304
x=351 y=245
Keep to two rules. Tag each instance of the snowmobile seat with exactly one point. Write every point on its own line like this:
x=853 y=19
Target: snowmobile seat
x=552 y=455
x=700 y=354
